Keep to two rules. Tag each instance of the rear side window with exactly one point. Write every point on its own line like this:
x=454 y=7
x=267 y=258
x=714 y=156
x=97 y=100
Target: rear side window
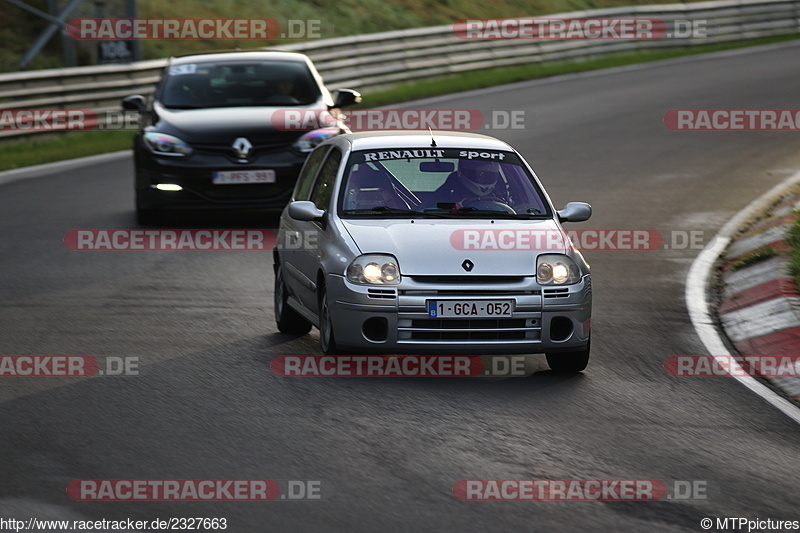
x=323 y=189
x=306 y=178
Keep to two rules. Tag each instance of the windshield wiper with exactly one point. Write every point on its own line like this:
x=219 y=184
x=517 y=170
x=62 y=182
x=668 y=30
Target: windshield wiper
x=469 y=210
x=386 y=210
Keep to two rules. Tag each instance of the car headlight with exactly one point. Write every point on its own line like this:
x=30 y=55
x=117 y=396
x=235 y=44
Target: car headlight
x=374 y=269
x=163 y=144
x=310 y=140
x=556 y=269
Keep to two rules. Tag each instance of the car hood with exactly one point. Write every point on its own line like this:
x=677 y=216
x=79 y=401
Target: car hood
x=223 y=125
x=441 y=246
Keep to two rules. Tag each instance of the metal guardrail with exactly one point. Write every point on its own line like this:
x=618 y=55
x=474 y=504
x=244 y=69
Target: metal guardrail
x=380 y=60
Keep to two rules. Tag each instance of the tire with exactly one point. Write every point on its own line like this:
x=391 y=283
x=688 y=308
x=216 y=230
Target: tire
x=327 y=340
x=144 y=216
x=147 y=217
x=575 y=361
x=288 y=320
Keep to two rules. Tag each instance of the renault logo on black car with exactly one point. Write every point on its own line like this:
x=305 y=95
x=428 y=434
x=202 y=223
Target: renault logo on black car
x=242 y=147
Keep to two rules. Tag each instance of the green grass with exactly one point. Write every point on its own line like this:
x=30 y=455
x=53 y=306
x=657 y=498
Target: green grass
x=753 y=258
x=77 y=144
x=793 y=239
x=46 y=148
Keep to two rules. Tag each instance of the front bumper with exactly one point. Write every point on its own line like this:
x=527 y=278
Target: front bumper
x=394 y=319
x=195 y=173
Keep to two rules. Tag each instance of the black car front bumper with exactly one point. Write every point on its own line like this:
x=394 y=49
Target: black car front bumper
x=194 y=174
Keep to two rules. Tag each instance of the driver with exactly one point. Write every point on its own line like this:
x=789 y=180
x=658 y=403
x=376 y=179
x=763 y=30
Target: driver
x=473 y=179
x=282 y=92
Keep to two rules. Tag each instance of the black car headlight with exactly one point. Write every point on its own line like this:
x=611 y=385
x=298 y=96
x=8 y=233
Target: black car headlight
x=556 y=269
x=310 y=140
x=374 y=269
x=163 y=144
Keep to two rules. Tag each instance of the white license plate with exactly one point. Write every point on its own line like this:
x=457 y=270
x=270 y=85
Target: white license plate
x=233 y=177
x=470 y=308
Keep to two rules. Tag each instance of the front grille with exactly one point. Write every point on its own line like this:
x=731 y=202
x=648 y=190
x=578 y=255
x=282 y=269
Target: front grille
x=462 y=323
x=464 y=292
x=470 y=336
x=246 y=191
x=257 y=150
x=469 y=329
x=470 y=286
x=562 y=292
x=467 y=280
x=385 y=294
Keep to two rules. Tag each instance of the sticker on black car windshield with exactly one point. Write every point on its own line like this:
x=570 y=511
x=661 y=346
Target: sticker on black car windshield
x=177 y=70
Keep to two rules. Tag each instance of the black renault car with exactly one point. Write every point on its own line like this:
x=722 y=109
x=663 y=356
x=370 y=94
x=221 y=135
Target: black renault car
x=222 y=131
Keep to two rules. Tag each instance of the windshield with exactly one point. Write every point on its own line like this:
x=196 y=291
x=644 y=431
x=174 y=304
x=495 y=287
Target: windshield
x=435 y=182
x=235 y=84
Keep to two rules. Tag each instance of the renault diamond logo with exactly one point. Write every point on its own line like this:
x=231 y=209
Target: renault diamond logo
x=467 y=265
x=242 y=147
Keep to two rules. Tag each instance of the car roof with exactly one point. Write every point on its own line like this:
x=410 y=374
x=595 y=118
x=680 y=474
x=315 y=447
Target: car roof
x=374 y=140
x=239 y=55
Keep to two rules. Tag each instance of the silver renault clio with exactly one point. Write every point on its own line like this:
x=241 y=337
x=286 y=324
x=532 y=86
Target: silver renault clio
x=431 y=242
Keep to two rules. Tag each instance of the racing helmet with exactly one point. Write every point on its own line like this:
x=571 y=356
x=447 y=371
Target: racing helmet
x=479 y=177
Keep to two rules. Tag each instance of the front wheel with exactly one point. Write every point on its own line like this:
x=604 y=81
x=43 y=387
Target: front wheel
x=326 y=338
x=288 y=320
x=574 y=361
x=144 y=216
x=147 y=217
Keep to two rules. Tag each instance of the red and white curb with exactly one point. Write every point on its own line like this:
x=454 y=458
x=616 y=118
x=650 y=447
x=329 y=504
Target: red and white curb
x=760 y=307
x=756 y=284
x=772 y=237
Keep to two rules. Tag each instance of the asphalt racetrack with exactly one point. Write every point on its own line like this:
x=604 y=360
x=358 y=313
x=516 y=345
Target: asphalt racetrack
x=388 y=451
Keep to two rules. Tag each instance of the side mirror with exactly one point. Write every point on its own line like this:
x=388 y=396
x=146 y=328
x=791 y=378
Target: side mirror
x=305 y=211
x=346 y=97
x=136 y=102
x=575 y=212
